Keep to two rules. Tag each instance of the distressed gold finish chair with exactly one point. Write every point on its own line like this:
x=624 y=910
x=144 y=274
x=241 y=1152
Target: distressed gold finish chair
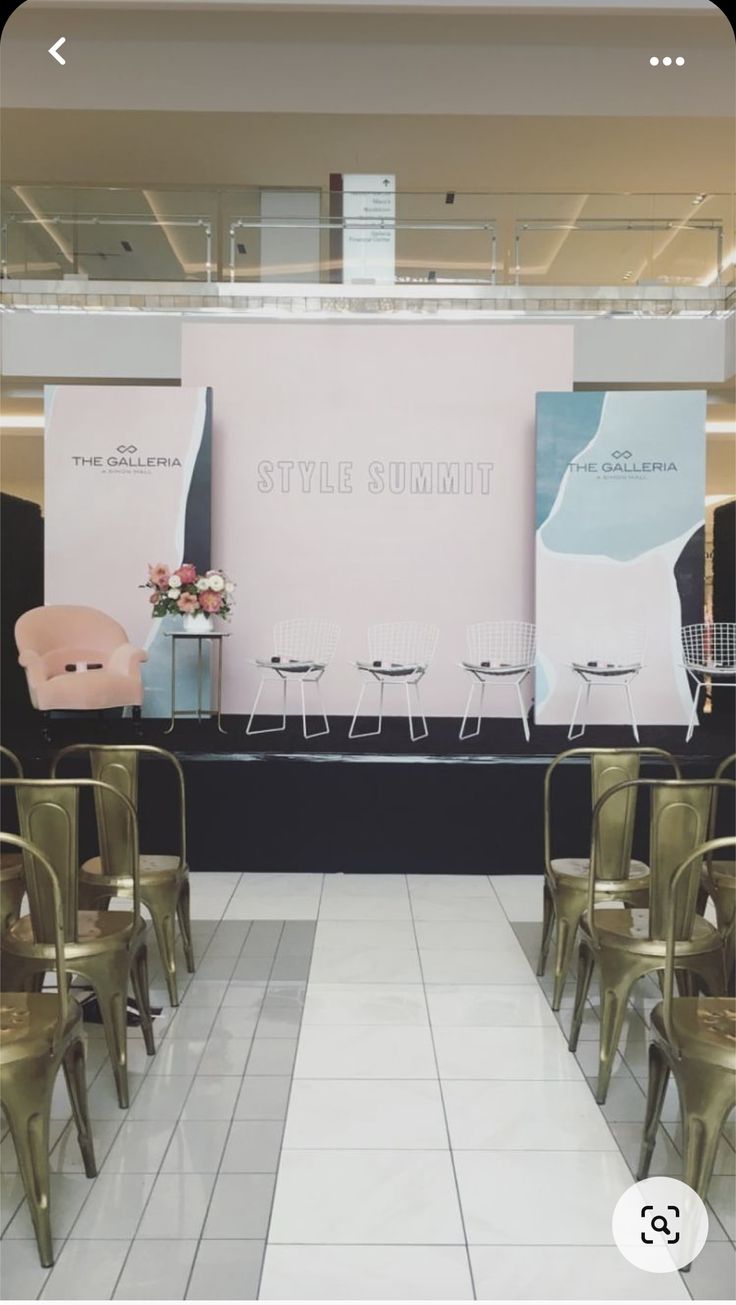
x=694 y=1039
x=628 y=944
x=40 y=1031
x=12 y=881
x=107 y=948
x=719 y=883
x=164 y=879
x=619 y=878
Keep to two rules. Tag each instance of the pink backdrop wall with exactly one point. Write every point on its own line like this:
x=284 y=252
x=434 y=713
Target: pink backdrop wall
x=327 y=540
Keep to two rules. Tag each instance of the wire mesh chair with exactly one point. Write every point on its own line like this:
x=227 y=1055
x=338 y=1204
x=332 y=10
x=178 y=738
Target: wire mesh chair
x=502 y=651
x=610 y=656
x=399 y=653
x=708 y=653
x=302 y=651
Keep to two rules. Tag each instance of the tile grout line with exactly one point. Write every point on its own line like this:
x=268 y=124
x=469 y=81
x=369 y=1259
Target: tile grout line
x=177 y=1121
x=442 y=1099
x=288 y=1098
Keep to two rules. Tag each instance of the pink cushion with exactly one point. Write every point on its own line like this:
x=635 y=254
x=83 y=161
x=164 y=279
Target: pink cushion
x=89 y=691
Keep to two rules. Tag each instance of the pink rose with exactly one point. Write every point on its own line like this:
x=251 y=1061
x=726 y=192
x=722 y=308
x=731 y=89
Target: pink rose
x=210 y=602
x=159 y=575
x=187 y=603
x=187 y=573
x=154 y=598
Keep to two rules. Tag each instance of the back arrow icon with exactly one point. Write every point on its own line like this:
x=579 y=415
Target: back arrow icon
x=54 y=50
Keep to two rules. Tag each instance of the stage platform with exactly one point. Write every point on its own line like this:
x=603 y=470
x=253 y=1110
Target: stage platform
x=275 y=802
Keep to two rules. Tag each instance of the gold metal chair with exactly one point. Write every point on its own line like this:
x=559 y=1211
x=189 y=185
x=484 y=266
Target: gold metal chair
x=628 y=944
x=12 y=882
x=40 y=1031
x=719 y=883
x=164 y=880
x=566 y=878
x=694 y=1038
x=107 y=948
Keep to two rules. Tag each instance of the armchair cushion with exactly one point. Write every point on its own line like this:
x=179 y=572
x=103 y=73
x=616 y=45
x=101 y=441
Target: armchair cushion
x=51 y=638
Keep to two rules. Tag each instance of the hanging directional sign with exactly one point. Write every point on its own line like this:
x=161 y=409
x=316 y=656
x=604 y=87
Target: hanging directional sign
x=369 y=230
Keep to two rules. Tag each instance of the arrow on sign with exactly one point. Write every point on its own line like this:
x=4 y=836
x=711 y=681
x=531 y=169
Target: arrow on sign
x=54 y=50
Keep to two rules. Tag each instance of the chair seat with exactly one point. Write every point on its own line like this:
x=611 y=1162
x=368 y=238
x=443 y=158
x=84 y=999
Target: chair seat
x=394 y=671
x=710 y=668
x=704 y=1027
x=496 y=668
x=723 y=874
x=576 y=869
x=102 y=927
x=631 y=926
x=89 y=691
x=295 y=666
x=603 y=670
x=28 y=1023
x=153 y=866
x=11 y=866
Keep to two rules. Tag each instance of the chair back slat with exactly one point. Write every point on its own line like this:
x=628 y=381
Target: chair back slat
x=119 y=769
x=615 y=831
x=49 y=819
x=679 y=821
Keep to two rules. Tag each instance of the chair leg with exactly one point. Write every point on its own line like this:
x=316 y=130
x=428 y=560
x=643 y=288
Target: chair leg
x=694 y=712
x=471 y=734
x=185 y=924
x=629 y=699
x=326 y=724
x=367 y=734
x=707 y=1098
x=27 y=1106
x=617 y=979
x=139 y=980
x=548 y=920
x=586 y=962
x=659 y=1073
x=272 y=729
x=415 y=738
x=710 y=969
x=569 y=907
x=76 y=1084
x=162 y=904
x=523 y=711
x=109 y=979
x=572 y=733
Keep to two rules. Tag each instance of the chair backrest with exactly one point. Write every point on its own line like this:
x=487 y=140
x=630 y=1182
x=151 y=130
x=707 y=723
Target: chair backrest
x=44 y=870
x=116 y=767
x=679 y=819
x=306 y=639
x=48 y=814
x=14 y=761
x=511 y=642
x=614 y=830
x=83 y=631
x=711 y=643
x=624 y=645
x=683 y=873
x=409 y=643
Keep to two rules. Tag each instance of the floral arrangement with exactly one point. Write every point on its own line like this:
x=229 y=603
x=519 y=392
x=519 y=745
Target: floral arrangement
x=187 y=592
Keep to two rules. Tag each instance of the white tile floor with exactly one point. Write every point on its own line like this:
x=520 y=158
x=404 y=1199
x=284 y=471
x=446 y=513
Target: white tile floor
x=402 y=1121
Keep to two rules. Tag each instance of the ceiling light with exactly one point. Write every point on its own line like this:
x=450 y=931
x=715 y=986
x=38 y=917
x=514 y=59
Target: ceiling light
x=23 y=421
x=654 y=61
x=679 y=61
x=667 y=61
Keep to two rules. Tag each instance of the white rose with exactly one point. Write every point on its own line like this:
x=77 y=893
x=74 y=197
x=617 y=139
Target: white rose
x=216 y=583
x=203 y=583
x=229 y=588
x=174 y=581
x=173 y=593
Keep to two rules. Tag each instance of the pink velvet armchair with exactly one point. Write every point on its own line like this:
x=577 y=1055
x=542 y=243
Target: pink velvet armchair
x=51 y=638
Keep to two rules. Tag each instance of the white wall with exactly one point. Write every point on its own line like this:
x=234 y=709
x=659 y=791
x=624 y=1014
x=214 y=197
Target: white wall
x=144 y=347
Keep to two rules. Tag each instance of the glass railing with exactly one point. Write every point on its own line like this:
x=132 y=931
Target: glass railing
x=271 y=235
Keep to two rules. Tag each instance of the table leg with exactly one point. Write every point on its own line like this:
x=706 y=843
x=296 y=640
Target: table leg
x=199 y=678
x=173 y=686
x=219 y=686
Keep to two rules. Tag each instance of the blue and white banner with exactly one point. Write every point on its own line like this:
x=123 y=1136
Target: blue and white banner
x=620 y=547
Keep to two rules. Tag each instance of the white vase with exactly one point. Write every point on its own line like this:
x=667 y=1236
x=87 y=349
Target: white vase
x=197 y=623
